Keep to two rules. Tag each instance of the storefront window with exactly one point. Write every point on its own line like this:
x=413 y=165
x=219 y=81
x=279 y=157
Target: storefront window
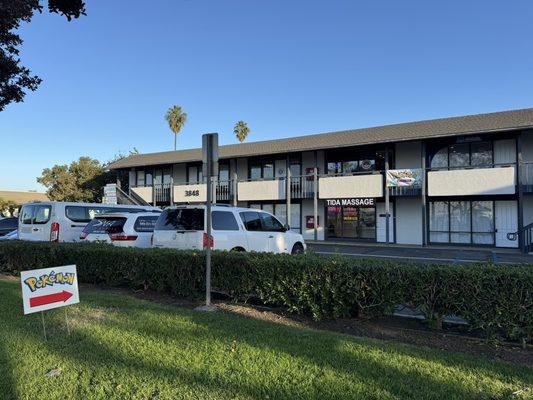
x=461 y=222
x=483 y=222
x=351 y=222
x=439 y=222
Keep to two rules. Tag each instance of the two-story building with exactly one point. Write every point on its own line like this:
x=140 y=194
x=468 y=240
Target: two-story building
x=457 y=181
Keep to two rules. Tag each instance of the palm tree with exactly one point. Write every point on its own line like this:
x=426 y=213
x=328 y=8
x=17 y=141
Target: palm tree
x=176 y=119
x=241 y=130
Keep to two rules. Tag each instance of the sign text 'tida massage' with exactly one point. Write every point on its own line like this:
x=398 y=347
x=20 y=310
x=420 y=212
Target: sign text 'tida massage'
x=354 y=201
x=47 y=288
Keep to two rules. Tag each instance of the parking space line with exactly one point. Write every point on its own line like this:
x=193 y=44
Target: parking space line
x=400 y=257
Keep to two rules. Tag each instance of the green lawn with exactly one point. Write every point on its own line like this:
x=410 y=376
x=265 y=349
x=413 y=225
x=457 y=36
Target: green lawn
x=125 y=348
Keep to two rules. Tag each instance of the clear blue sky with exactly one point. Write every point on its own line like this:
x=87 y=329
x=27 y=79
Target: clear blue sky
x=286 y=67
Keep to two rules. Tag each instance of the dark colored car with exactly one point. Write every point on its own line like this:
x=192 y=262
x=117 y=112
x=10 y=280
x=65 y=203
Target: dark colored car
x=8 y=225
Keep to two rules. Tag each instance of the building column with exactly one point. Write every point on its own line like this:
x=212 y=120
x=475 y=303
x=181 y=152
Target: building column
x=519 y=174
x=424 y=199
x=315 y=198
x=288 y=192
x=387 y=200
x=172 y=185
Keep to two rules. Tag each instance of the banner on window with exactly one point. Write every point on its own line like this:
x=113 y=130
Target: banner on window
x=404 y=178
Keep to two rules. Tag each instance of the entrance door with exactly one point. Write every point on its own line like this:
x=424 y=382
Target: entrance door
x=351 y=223
x=506 y=218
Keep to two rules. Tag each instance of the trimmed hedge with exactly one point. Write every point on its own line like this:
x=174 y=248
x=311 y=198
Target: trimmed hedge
x=495 y=299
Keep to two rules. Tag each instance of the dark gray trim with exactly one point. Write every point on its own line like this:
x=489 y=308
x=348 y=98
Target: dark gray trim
x=445 y=127
x=520 y=205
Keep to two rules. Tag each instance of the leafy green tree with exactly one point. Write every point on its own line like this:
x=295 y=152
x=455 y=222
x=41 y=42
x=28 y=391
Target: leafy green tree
x=241 y=130
x=15 y=79
x=81 y=181
x=176 y=118
x=8 y=207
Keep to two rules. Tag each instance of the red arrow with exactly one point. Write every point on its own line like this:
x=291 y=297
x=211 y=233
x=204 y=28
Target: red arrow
x=50 y=298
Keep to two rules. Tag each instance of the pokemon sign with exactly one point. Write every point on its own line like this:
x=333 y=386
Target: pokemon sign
x=47 y=288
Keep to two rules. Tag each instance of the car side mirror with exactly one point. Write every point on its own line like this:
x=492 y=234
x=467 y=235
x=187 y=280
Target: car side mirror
x=287 y=227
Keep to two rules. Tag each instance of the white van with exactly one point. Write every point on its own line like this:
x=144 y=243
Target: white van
x=236 y=229
x=62 y=221
x=122 y=229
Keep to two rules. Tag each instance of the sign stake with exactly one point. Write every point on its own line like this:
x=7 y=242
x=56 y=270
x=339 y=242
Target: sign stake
x=44 y=327
x=66 y=321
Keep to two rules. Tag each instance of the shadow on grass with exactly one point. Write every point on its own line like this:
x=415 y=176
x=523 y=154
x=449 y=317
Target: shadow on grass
x=367 y=361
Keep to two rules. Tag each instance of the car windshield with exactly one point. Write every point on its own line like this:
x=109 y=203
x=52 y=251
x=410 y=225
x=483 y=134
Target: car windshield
x=105 y=225
x=181 y=219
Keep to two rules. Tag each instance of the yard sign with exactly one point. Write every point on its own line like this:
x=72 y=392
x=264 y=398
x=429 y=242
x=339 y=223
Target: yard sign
x=47 y=288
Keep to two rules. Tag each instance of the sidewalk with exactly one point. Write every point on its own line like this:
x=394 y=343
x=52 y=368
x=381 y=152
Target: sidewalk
x=449 y=254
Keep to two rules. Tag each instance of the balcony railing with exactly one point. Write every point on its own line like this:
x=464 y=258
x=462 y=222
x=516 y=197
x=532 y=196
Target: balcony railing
x=302 y=187
x=224 y=190
x=162 y=192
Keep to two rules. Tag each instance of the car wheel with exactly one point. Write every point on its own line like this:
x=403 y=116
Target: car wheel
x=297 y=249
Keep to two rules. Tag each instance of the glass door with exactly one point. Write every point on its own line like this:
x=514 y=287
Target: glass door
x=356 y=223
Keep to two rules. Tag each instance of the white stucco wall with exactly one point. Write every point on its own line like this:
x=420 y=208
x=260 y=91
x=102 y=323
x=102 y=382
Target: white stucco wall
x=351 y=186
x=470 y=182
x=307 y=209
x=180 y=193
x=144 y=193
x=409 y=220
x=261 y=190
x=381 y=223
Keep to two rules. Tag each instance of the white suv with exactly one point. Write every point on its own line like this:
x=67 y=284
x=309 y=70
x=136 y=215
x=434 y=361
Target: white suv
x=237 y=229
x=121 y=229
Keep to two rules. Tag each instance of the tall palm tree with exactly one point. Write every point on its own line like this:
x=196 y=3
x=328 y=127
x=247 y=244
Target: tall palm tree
x=176 y=119
x=241 y=130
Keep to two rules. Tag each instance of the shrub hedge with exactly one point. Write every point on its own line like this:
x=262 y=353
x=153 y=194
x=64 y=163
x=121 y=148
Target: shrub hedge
x=496 y=299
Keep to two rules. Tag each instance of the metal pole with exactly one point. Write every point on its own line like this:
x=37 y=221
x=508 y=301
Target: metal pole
x=315 y=199
x=387 y=200
x=288 y=192
x=44 y=327
x=208 y=215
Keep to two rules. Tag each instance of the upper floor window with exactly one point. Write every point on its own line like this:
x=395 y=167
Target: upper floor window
x=144 y=178
x=346 y=161
x=261 y=169
x=459 y=155
x=195 y=174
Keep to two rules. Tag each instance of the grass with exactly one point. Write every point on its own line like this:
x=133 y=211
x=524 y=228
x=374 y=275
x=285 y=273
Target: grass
x=125 y=348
